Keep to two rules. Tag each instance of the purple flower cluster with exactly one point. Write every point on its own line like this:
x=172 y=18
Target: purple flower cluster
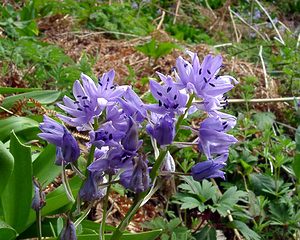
x=204 y=81
x=113 y=115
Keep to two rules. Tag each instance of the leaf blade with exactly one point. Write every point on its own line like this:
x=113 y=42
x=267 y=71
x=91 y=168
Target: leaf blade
x=19 y=186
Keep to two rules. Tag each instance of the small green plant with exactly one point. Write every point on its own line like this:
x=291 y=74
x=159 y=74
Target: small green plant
x=155 y=49
x=18 y=23
x=171 y=230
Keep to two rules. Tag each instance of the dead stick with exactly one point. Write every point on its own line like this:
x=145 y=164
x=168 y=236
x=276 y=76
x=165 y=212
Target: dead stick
x=176 y=11
x=161 y=20
x=261 y=100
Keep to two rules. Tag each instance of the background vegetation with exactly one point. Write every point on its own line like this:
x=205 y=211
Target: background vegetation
x=45 y=45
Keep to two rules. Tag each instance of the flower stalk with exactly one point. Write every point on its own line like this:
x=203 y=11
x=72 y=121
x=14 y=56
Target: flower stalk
x=153 y=174
x=104 y=212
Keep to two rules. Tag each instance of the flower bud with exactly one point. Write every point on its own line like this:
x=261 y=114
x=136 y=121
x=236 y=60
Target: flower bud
x=69 y=231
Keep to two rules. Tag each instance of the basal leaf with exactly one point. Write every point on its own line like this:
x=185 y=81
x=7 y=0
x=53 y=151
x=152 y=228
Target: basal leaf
x=43 y=97
x=6 y=90
x=6 y=231
x=44 y=168
x=6 y=166
x=18 y=124
x=17 y=195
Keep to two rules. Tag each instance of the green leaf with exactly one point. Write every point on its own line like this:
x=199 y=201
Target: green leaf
x=229 y=200
x=6 y=166
x=6 y=231
x=296 y=165
x=6 y=90
x=43 y=97
x=261 y=182
x=264 y=120
x=190 y=203
x=18 y=124
x=58 y=198
x=205 y=191
x=245 y=230
x=17 y=195
x=206 y=233
x=297 y=139
x=44 y=168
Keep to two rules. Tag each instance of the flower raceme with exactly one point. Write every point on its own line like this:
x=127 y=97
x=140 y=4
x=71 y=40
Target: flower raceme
x=112 y=115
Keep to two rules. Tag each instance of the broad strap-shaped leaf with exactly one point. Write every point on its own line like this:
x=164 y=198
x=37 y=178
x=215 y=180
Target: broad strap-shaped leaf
x=17 y=195
x=17 y=124
x=43 y=97
x=44 y=168
x=6 y=231
x=6 y=166
x=6 y=90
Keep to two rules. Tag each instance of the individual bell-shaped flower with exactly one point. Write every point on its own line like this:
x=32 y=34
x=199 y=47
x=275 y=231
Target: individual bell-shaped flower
x=39 y=198
x=131 y=142
x=163 y=129
x=106 y=135
x=133 y=105
x=170 y=99
x=69 y=231
x=212 y=137
x=110 y=163
x=209 y=168
x=137 y=178
x=67 y=149
x=90 y=190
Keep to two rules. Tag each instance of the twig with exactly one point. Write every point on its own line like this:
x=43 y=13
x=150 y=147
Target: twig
x=8 y=111
x=234 y=26
x=223 y=45
x=98 y=33
x=247 y=24
x=176 y=11
x=260 y=100
x=286 y=27
x=271 y=20
x=298 y=41
x=264 y=67
x=212 y=12
x=161 y=20
x=287 y=126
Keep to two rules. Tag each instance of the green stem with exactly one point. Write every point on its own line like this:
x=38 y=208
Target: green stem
x=181 y=117
x=153 y=174
x=92 y=149
x=129 y=215
x=39 y=224
x=104 y=213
